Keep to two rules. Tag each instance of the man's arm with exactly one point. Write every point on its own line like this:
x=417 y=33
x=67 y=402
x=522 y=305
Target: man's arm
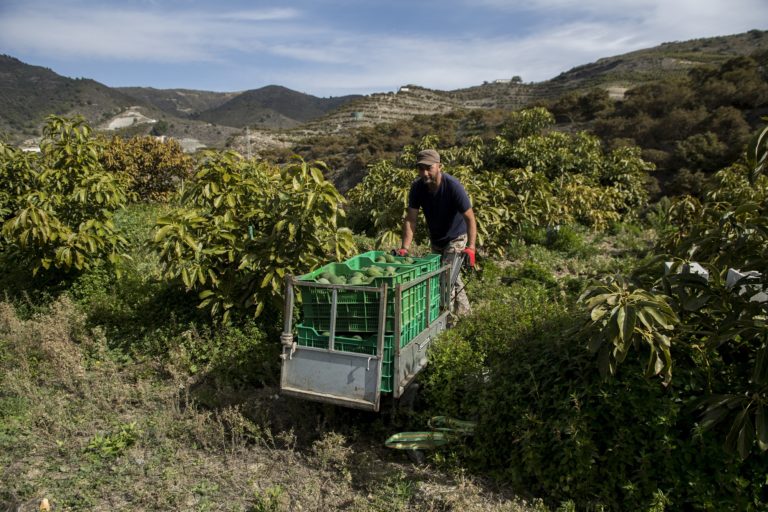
x=409 y=227
x=469 y=218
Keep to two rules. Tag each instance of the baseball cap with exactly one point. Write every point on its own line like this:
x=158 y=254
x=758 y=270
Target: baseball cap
x=428 y=157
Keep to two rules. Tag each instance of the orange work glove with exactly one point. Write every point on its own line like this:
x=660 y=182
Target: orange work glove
x=400 y=252
x=470 y=256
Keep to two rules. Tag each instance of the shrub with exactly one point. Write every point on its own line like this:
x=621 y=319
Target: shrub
x=60 y=214
x=570 y=435
x=243 y=225
x=565 y=239
x=153 y=168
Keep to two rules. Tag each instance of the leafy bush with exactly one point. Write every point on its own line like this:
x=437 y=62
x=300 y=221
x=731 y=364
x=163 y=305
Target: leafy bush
x=61 y=203
x=565 y=239
x=460 y=359
x=526 y=180
x=714 y=335
x=153 y=168
x=570 y=435
x=243 y=225
x=550 y=424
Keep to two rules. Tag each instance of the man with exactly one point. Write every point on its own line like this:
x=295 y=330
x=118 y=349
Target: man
x=450 y=219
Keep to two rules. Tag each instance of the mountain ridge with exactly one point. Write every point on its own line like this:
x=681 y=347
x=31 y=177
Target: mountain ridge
x=285 y=116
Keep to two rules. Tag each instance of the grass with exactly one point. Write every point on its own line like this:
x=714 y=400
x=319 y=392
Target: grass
x=118 y=394
x=107 y=402
x=87 y=431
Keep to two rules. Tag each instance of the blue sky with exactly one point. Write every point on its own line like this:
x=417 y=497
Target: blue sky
x=337 y=47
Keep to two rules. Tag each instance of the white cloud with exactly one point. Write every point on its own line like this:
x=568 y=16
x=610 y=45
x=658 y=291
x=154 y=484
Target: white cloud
x=292 y=47
x=260 y=15
x=121 y=33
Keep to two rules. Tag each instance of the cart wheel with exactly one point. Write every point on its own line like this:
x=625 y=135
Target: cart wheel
x=408 y=398
x=416 y=456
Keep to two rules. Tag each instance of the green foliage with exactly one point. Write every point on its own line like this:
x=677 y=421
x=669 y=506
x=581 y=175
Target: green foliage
x=114 y=444
x=697 y=151
x=723 y=324
x=616 y=444
x=243 y=225
x=461 y=358
x=268 y=500
x=524 y=123
x=703 y=118
x=565 y=239
x=624 y=317
x=60 y=204
x=153 y=168
x=549 y=423
x=534 y=180
x=579 y=416
x=757 y=154
x=234 y=355
x=379 y=202
x=455 y=364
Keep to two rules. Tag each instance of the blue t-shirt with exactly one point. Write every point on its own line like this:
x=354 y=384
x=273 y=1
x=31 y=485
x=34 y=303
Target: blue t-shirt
x=443 y=210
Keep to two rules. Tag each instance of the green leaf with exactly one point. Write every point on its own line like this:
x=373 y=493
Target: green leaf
x=267 y=279
x=695 y=303
x=761 y=427
x=746 y=438
x=597 y=313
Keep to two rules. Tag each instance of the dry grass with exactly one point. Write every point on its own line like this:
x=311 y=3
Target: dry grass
x=89 y=433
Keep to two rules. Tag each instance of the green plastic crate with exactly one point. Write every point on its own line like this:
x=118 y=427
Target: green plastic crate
x=309 y=337
x=358 y=311
x=363 y=316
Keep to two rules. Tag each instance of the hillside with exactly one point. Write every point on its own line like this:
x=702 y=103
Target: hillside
x=279 y=117
x=272 y=106
x=30 y=93
x=179 y=102
x=621 y=71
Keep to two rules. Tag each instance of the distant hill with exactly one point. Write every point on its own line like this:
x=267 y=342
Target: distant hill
x=620 y=72
x=30 y=93
x=272 y=106
x=179 y=102
x=282 y=117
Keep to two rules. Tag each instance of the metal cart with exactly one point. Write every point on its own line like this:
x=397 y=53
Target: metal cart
x=353 y=379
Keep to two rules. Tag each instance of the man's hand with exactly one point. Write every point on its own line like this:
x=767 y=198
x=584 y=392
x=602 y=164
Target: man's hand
x=400 y=252
x=470 y=252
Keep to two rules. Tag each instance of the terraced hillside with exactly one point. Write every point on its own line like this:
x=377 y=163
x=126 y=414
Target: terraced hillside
x=409 y=101
x=219 y=119
x=614 y=74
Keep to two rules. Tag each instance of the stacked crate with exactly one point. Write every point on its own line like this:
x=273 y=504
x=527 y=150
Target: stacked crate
x=357 y=312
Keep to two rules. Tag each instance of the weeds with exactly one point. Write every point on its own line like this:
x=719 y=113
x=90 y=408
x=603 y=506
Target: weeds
x=119 y=398
x=114 y=444
x=268 y=500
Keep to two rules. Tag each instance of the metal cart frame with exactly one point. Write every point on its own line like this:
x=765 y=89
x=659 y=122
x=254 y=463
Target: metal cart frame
x=352 y=379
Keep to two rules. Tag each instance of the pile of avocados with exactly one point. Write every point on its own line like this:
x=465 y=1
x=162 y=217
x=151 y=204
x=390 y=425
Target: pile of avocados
x=365 y=275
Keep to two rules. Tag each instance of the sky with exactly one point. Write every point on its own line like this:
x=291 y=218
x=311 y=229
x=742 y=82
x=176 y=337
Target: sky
x=338 y=47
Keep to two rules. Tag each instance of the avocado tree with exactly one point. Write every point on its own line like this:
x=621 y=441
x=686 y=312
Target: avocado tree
x=242 y=225
x=526 y=177
x=152 y=168
x=712 y=321
x=58 y=204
